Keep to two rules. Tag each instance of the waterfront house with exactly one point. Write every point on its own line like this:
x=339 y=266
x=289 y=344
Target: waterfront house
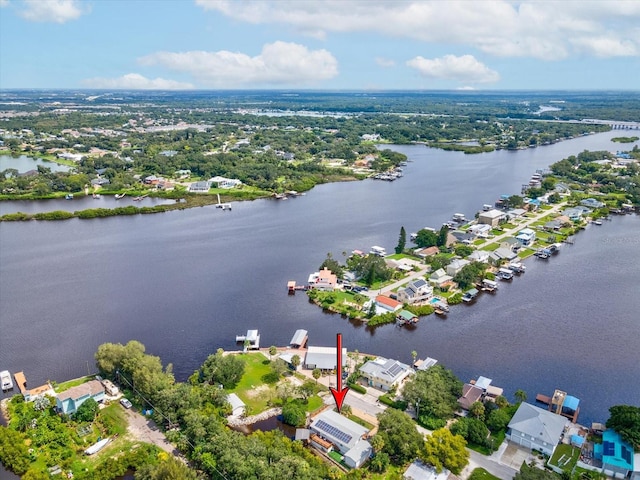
x=344 y=434
x=470 y=395
x=385 y=374
x=226 y=183
x=575 y=214
x=199 y=187
x=456 y=265
x=591 y=203
x=419 y=470
x=425 y=364
x=70 y=400
x=416 y=291
x=481 y=256
x=489 y=392
x=503 y=253
x=534 y=428
x=426 y=252
x=323 y=280
x=515 y=213
x=617 y=456
x=480 y=229
x=439 y=278
x=492 y=217
x=386 y=304
x=324 y=358
x=405 y=316
x=238 y=407
x=151 y=180
x=526 y=237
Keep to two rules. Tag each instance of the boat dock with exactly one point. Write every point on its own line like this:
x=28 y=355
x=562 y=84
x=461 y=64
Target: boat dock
x=292 y=287
x=251 y=340
x=562 y=404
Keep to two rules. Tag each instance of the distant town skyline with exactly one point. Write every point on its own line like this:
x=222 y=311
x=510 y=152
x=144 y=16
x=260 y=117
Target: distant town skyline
x=316 y=44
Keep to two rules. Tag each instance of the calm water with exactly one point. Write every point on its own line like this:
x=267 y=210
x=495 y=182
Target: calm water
x=23 y=164
x=185 y=283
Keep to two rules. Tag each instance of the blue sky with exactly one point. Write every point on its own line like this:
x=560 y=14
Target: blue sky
x=320 y=44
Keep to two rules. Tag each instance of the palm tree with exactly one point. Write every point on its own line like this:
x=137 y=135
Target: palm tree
x=316 y=374
x=521 y=396
x=414 y=356
x=295 y=361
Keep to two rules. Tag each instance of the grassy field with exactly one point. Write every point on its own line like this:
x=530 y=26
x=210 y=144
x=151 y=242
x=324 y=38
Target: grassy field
x=73 y=383
x=565 y=457
x=482 y=474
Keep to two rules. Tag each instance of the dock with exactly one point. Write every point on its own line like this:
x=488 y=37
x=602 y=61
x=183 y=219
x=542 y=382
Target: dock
x=251 y=340
x=292 y=287
x=561 y=404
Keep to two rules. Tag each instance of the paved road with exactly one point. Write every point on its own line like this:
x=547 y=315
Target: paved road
x=490 y=465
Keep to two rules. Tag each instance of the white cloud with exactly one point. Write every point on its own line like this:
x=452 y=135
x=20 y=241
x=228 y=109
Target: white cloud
x=4 y=3
x=279 y=63
x=462 y=69
x=57 y=11
x=385 y=62
x=544 y=29
x=135 y=81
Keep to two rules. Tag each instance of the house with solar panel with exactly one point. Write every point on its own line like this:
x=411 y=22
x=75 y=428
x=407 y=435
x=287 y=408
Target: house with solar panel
x=416 y=291
x=348 y=437
x=384 y=374
x=536 y=429
x=617 y=456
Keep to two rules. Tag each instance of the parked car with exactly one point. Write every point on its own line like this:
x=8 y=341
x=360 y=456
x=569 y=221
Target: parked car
x=125 y=403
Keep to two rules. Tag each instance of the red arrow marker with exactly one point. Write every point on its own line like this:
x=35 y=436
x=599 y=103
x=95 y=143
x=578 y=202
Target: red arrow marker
x=339 y=393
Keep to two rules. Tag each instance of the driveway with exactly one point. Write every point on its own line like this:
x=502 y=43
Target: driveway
x=145 y=430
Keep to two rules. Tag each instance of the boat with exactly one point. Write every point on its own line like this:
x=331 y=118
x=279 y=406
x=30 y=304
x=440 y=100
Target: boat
x=96 y=195
x=68 y=196
x=517 y=267
x=597 y=222
x=470 y=295
x=504 y=274
x=119 y=195
x=379 y=251
x=5 y=379
x=488 y=285
x=96 y=447
x=440 y=308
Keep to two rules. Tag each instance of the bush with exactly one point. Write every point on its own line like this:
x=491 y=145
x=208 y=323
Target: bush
x=293 y=414
x=16 y=217
x=357 y=388
x=431 y=423
x=455 y=299
x=397 y=404
x=55 y=215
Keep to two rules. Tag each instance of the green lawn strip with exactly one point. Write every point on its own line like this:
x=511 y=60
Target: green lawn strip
x=479 y=241
x=481 y=474
x=73 y=383
x=491 y=247
x=565 y=457
x=360 y=421
x=314 y=403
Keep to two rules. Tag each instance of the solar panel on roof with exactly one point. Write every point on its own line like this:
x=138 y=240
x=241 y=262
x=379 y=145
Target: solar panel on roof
x=394 y=370
x=626 y=455
x=333 y=431
x=609 y=448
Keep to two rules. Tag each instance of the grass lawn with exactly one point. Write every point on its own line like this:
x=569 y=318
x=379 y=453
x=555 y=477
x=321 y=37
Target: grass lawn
x=480 y=241
x=481 y=474
x=392 y=472
x=525 y=253
x=565 y=457
x=491 y=247
x=256 y=366
x=360 y=421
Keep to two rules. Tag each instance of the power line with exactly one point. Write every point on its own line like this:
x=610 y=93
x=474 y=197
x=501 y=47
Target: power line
x=120 y=375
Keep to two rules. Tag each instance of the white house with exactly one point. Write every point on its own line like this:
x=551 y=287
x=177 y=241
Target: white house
x=347 y=436
x=200 y=187
x=384 y=374
x=439 y=277
x=419 y=470
x=456 y=265
x=416 y=291
x=324 y=358
x=526 y=237
x=535 y=428
x=386 y=304
x=479 y=256
x=492 y=217
x=222 y=182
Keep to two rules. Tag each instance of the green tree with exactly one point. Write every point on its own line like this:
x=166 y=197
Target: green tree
x=87 y=411
x=226 y=370
x=426 y=238
x=333 y=265
x=625 y=419
x=272 y=351
x=295 y=361
x=402 y=442
x=402 y=241
x=167 y=469
x=294 y=414
x=316 y=373
x=532 y=473
x=380 y=462
x=13 y=451
x=521 y=396
x=442 y=449
x=477 y=409
x=498 y=419
x=443 y=234
x=436 y=390
x=306 y=390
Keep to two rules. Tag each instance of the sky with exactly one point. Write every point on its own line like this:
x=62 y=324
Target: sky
x=321 y=44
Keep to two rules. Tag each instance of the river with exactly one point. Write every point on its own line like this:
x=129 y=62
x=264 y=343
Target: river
x=186 y=282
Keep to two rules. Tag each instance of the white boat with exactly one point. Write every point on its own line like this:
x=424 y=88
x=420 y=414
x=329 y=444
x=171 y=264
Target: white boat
x=96 y=447
x=5 y=378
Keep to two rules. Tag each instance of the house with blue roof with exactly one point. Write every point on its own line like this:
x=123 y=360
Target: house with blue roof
x=617 y=456
x=526 y=236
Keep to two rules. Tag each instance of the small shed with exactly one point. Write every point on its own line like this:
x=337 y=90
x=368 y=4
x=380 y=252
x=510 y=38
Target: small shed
x=238 y=407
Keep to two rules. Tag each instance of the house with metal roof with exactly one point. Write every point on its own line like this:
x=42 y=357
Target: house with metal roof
x=439 y=277
x=456 y=265
x=535 y=428
x=492 y=217
x=419 y=470
x=384 y=374
x=70 y=400
x=386 y=304
x=238 y=407
x=344 y=434
x=324 y=358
